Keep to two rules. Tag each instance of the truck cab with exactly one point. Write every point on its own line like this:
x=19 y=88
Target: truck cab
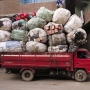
x=82 y=59
x=81 y=64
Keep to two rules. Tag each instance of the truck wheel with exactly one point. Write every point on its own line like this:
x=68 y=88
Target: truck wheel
x=80 y=75
x=27 y=75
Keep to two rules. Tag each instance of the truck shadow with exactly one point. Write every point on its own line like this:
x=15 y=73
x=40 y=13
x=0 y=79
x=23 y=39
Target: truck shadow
x=16 y=77
x=64 y=78
x=51 y=78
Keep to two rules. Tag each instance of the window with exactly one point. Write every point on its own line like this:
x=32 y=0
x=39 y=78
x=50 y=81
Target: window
x=82 y=54
x=25 y=1
x=35 y=1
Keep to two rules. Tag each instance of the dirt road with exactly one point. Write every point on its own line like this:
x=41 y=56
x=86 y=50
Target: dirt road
x=13 y=82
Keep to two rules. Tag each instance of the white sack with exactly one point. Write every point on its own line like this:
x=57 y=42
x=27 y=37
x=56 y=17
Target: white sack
x=57 y=39
x=11 y=46
x=38 y=35
x=35 y=47
x=72 y=36
x=4 y=36
x=61 y=16
x=7 y=24
x=58 y=48
x=73 y=23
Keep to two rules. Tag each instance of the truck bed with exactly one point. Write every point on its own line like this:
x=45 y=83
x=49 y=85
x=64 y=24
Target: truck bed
x=36 y=60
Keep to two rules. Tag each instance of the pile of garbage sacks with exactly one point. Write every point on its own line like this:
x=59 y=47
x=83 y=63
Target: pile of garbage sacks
x=45 y=31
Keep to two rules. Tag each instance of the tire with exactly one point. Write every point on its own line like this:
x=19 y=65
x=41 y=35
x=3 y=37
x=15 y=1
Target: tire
x=80 y=75
x=27 y=75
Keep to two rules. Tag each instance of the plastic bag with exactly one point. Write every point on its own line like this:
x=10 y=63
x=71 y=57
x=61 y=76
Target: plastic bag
x=77 y=36
x=5 y=24
x=18 y=34
x=61 y=16
x=20 y=24
x=52 y=28
x=4 y=36
x=59 y=48
x=11 y=46
x=45 y=14
x=73 y=47
x=35 y=47
x=73 y=23
x=57 y=39
x=38 y=35
x=36 y=22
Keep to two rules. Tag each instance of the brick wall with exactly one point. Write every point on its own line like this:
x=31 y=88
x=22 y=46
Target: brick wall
x=36 y=6
x=14 y=6
x=87 y=26
x=9 y=7
x=1 y=7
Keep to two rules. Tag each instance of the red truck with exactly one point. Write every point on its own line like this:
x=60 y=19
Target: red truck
x=76 y=65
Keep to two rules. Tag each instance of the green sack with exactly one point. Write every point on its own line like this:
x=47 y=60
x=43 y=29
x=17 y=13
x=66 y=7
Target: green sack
x=19 y=35
x=45 y=14
x=36 y=22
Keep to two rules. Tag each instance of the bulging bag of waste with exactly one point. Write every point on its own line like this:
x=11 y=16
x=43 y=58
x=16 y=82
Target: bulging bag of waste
x=77 y=36
x=38 y=35
x=11 y=46
x=57 y=39
x=35 y=47
x=45 y=14
x=52 y=28
x=20 y=24
x=5 y=24
x=36 y=22
x=73 y=47
x=58 y=48
x=18 y=34
x=73 y=23
x=61 y=16
x=4 y=36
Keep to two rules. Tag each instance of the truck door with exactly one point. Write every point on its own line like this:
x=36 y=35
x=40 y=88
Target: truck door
x=82 y=60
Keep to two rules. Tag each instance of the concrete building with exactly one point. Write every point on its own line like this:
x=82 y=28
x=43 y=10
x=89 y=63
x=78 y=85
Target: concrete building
x=84 y=5
x=76 y=6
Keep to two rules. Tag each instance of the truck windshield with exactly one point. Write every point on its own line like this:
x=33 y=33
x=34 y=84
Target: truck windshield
x=83 y=54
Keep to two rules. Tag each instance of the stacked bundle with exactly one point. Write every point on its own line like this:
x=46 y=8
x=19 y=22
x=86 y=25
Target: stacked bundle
x=11 y=35
x=11 y=46
x=20 y=24
x=36 y=22
x=5 y=24
x=37 y=36
x=52 y=28
x=52 y=31
x=32 y=46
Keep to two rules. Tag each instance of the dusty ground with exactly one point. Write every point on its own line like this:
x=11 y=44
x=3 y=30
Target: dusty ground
x=13 y=82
